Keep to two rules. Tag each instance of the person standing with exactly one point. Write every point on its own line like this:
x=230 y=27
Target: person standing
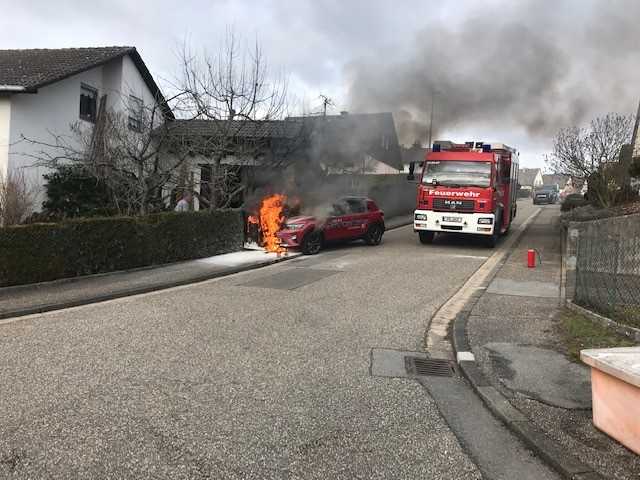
x=184 y=204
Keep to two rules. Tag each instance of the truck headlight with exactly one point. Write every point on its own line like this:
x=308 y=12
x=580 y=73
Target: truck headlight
x=485 y=221
x=420 y=216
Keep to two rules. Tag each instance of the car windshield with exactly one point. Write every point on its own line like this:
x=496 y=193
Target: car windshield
x=547 y=188
x=457 y=173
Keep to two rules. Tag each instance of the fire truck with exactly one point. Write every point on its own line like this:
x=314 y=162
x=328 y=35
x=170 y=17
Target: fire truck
x=467 y=188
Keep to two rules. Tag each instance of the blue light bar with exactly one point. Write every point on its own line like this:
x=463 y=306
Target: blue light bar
x=435 y=147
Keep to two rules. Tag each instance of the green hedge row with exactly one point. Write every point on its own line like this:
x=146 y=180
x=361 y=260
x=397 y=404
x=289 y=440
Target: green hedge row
x=42 y=252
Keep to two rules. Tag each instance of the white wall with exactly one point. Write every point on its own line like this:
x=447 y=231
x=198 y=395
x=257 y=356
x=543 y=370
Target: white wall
x=5 y=132
x=54 y=108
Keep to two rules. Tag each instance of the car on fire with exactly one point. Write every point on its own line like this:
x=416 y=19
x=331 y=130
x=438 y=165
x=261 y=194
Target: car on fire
x=348 y=219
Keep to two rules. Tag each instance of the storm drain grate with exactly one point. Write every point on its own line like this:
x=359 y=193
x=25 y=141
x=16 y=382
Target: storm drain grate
x=434 y=367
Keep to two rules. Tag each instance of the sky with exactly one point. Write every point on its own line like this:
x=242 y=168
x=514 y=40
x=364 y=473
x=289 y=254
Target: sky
x=512 y=71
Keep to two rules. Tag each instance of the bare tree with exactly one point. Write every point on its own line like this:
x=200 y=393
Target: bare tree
x=592 y=154
x=235 y=92
x=16 y=198
x=135 y=153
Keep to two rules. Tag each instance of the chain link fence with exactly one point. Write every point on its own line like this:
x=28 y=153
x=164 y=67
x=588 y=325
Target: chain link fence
x=608 y=264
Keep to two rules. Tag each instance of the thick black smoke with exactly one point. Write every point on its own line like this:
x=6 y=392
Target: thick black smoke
x=535 y=65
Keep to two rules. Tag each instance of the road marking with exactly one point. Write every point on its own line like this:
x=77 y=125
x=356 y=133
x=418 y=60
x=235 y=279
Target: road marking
x=436 y=342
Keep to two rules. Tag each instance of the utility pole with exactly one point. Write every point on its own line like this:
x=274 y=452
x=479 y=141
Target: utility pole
x=325 y=101
x=635 y=146
x=433 y=102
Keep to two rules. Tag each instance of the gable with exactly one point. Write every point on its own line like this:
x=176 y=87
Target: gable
x=31 y=69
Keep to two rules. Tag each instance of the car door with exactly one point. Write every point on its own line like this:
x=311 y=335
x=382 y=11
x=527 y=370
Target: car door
x=356 y=222
x=334 y=226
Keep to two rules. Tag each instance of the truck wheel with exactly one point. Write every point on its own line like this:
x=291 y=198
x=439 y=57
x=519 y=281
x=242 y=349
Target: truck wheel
x=311 y=243
x=492 y=240
x=426 y=237
x=374 y=234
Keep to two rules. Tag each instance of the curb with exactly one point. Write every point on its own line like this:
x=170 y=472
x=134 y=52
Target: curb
x=547 y=449
x=50 y=307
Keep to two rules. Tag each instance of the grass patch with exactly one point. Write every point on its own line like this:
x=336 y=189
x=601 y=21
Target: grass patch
x=629 y=316
x=581 y=333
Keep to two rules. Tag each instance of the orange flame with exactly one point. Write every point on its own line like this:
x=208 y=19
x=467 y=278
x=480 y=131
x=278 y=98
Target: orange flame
x=271 y=218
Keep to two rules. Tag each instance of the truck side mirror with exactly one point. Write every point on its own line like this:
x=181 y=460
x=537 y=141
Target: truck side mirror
x=412 y=167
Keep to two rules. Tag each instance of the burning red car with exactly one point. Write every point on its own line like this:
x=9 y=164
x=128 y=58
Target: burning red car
x=350 y=218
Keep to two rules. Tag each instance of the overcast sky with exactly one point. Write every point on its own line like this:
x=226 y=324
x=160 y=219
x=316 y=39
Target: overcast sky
x=541 y=59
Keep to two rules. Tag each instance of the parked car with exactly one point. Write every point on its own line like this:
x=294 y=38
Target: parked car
x=348 y=219
x=546 y=194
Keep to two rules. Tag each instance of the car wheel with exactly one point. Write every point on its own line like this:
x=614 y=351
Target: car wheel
x=374 y=234
x=426 y=237
x=311 y=243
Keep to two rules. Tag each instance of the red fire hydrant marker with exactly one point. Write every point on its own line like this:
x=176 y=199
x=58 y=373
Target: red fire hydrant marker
x=531 y=258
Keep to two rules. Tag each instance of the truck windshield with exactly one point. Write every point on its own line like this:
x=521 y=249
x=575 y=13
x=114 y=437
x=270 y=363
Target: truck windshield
x=458 y=173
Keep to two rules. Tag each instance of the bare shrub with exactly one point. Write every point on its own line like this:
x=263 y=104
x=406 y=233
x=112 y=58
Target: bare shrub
x=17 y=198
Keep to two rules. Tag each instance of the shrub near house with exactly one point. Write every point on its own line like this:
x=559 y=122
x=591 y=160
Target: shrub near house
x=42 y=252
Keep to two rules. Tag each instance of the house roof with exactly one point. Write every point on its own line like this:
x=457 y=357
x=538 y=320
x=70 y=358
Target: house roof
x=555 y=179
x=526 y=176
x=30 y=69
x=349 y=133
x=331 y=135
x=237 y=128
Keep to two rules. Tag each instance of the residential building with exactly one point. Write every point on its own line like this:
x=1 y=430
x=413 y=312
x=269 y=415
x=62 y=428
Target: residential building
x=530 y=178
x=45 y=91
x=294 y=150
x=416 y=155
x=555 y=179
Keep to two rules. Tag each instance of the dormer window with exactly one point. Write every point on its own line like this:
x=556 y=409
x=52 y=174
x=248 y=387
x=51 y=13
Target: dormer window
x=136 y=106
x=88 y=103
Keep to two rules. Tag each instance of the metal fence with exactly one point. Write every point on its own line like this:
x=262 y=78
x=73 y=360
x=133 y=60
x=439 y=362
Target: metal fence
x=608 y=263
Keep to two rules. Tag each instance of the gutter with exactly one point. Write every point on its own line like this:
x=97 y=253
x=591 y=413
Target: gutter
x=12 y=88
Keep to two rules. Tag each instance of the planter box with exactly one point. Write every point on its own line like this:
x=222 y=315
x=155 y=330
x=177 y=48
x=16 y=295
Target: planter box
x=615 y=391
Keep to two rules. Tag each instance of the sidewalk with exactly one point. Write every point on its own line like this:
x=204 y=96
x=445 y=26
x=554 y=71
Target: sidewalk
x=514 y=333
x=42 y=297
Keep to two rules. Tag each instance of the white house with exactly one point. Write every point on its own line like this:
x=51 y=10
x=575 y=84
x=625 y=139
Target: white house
x=44 y=91
x=530 y=178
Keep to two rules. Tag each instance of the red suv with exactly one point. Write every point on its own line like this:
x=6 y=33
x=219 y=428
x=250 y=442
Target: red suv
x=350 y=218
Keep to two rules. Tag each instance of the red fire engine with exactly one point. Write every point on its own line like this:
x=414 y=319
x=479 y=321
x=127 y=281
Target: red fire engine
x=467 y=188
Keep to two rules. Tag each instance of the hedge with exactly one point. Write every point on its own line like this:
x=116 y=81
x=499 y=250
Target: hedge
x=42 y=252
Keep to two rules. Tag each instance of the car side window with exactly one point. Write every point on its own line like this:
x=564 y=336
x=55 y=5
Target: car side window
x=338 y=209
x=356 y=206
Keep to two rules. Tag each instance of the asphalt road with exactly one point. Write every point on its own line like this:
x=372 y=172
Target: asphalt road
x=263 y=374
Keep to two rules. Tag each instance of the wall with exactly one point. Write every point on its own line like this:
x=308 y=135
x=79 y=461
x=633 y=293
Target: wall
x=42 y=115
x=54 y=108
x=5 y=123
x=394 y=194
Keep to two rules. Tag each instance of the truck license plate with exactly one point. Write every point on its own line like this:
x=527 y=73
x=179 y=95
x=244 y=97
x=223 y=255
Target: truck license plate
x=452 y=219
